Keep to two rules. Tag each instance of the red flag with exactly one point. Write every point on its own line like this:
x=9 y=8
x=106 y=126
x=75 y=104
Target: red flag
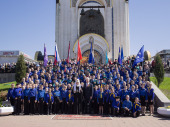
x=68 y=57
x=79 y=56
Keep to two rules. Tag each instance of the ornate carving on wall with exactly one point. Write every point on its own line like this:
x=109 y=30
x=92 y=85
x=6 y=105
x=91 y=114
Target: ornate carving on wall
x=108 y=3
x=97 y=56
x=92 y=22
x=74 y=3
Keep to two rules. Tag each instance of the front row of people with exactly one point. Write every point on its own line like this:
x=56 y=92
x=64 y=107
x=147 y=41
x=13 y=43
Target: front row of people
x=47 y=102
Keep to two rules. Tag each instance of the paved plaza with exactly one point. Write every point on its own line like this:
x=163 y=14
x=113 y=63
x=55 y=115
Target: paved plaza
x=47 y=121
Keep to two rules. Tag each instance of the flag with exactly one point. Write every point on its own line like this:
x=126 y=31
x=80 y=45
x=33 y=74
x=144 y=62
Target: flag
x=122 y=56
x=45 y=56
x=91 y=56
x=79 y=56
x=119 y=57
x=140 y=57
x=56 y=54
x=107 y=60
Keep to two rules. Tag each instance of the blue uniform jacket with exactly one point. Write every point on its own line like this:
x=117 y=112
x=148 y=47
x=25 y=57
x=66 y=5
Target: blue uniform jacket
x=150 y=93
x=47 y=98
x=127 y=104
x=99 y=96
x=106 y=95
x=112 y=97
x=32 y=93
x=124 y=93
x=41 y=94
x=116 y=104
x=143 y=92
x=119 y=92
x=25 y=93
x=63 y=94
x=71 y=98
x=10 y=93
x=132 y=94
x=17 y=92
x=95 y=93
x=57 y=94
x=136 y=107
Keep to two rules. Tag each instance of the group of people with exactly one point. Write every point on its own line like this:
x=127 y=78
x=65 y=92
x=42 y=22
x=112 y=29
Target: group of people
x=70 y=88
x=7 y=68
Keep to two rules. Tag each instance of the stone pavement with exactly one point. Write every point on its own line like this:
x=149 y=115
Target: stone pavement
x=46 y=121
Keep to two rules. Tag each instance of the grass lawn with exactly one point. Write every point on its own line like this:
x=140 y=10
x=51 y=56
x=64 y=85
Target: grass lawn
x=164 y=86
x=6 y=86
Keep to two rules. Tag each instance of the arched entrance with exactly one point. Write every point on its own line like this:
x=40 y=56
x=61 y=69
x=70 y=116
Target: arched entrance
x=92 y=22
x=97 y=56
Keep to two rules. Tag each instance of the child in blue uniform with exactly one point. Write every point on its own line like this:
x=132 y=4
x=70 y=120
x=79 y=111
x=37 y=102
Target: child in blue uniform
x=10 y=94
x=57 y=99
x=112 y=99
x=32 y=97
x=127 y=106
x=63 y=97
x=136 y=107
x=116 y=106
x=17 y=95
x=40 y=99
x=150 y=94
x=106 y=99
x=70 y=101
x=143 y=98
x=49 y=100
x=25 y=98
x=100 y=100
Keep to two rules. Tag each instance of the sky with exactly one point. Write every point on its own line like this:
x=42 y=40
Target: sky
x=26 y=25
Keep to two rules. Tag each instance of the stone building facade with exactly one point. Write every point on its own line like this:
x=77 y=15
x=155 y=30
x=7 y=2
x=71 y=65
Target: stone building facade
x=106 y=22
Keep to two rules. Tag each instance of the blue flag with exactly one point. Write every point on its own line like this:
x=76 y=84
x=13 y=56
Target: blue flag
x=122 y=56
x=107 y=60
x=119 y=57
x=45 y=56
x=140 y=57
x=91 y=56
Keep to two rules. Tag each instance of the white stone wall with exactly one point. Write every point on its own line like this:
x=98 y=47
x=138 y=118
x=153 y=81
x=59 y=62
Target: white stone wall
x=67 y=26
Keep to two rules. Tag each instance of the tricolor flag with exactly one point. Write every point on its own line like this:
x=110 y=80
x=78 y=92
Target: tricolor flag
x=79 y=56
x=57 y=57
x=45 y=56
x=68 y=57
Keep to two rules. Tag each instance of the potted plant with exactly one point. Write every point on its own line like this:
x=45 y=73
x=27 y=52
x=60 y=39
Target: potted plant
x=164 y=111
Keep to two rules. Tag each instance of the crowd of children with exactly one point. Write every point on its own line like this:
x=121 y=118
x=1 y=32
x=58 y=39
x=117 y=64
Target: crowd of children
x=69 y=88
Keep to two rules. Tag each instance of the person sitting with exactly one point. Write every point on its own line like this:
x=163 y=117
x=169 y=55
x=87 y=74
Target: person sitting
x=127 y=106
x=136 y=108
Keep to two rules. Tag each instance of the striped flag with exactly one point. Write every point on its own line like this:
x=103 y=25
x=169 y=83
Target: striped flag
x=57 y=57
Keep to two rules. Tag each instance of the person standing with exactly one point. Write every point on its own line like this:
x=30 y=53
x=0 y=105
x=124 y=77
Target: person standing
x=77 y=97
x=40 y=99
x=49 y=100
x=70 y=101
x=10 y=94
x=57 y=99
x=32 y=97
x=17 y=95
x=151 y=94
x=25 y=99
x=88 y=89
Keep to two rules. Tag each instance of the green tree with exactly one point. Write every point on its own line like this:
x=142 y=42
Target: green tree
x=20 y=69
x=159 y=69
